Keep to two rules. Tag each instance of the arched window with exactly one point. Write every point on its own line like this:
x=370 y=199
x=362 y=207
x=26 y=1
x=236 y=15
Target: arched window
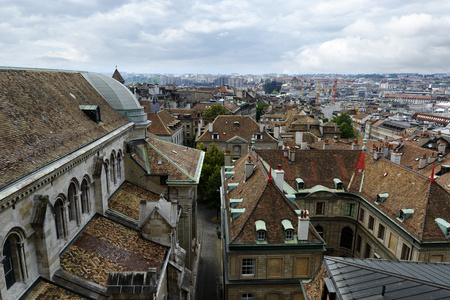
x=113 y=168
x=85 y=204
x=73 y=202
x=14 y=265
x=60 y=219
x=107 y=175
x=119 y=164
x=346 y=237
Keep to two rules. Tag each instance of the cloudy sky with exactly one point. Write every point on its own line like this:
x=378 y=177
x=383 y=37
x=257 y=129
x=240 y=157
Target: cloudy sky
x=228 y=36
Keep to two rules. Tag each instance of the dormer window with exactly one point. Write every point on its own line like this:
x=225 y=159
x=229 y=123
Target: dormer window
x=261 y=231
x=444 y=226
x=236 y=124
x=258 y=136
x=381 y=198
x=215 y=136
x=404 y=214
x=338 y=184
x=300 y=183
x=288 y=230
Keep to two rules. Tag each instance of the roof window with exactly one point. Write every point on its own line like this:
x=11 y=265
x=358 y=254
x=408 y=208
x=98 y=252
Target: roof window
x=92 y=111
x=300 y=183
x=288 y=230
x=381 y=198
x=404 y=214
x=444 y=226
x=261 y=230
x=338 y=184
x=236 y=124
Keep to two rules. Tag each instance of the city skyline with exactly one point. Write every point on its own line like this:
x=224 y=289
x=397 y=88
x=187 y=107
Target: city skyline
x=224 y=37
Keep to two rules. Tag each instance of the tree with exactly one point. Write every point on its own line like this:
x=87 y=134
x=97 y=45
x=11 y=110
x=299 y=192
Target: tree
x=215 y=110
x=210 y=180
x=344 y=122
x=259 y=110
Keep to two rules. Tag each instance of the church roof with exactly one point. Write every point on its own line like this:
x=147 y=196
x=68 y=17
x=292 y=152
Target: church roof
x=118 y=77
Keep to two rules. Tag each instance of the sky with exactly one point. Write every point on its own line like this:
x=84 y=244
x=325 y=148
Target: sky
x=229 y=36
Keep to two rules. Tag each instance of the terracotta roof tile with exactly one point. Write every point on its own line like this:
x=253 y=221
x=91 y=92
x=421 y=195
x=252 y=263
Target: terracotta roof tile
x=128 y=197
x=105 y=246
x=42 y=121
x=45 y=290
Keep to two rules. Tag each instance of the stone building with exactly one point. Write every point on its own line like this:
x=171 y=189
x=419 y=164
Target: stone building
x=70 y=197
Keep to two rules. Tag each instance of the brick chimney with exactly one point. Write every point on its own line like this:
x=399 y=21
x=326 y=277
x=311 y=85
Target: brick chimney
x=441 y=148
x=279 y=177
x=423 y=161
x=249 y=167
x=432 y=158
x=355 y=145
x=378 y=153
x=326 y=146
x=303 y=226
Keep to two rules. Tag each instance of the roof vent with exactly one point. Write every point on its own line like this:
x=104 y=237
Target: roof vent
x=444 y=225
x=381 y=198
x=404 y=214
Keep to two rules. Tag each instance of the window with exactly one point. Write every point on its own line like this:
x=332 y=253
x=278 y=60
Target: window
x=215 y=136
x=84 y=197
x=236 y=124
x=392 y=246
x=405 y=252
x=113 y=168
x=14 y=259
x=301 y=267
x=60 y=219
x=320 y=208
x=289 y=234
x=319 y=230
x=367 y=253
x=274 y=267
x=362 y=213
x=350 y=209
x=358 y=243
x=381 y=230
x=258 y=136
x=247 y=297
x=346 y=237
x=261 y=235
x=248 y=266
x=72 y=203
x=8 y=265
x=371 y=221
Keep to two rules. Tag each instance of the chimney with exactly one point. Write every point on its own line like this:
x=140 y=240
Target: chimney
x=303 y=226
x=261 y=127
x=355 y=145
x=335 y=139
x=291 y=155
x=373 y=149
x=308 y=126
x=248 y=167
x=441 y=148
x=210 y=127
x=276 y=132
x=283 y=128
x=200 y=124
x=378 y=153
x=423 y=161
x=396 y=157
x=227 y=158
x=423 y=139
x=142 y=212
x=432 y=158
x=279 y=177
x=304 y=145
x=326 y=146
x=298 y=138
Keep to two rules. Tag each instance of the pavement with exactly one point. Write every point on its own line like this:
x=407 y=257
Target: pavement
x=209 y=268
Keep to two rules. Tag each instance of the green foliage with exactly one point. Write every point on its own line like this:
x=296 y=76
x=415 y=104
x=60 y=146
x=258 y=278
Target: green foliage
x=325 y=120
x=271 y=86
x=259 y=110
x=215 y=110
x=344 y=121
x=210 y=178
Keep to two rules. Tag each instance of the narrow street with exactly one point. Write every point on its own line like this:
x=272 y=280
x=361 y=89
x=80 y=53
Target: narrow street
x=209 y=270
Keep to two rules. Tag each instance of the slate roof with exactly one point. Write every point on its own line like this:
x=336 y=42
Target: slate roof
x=365 y=278
x=105 y=246
x=225 y=124
x=160 y=157
x=46 y=290
x=128 y=197
x=41 y=120
x=262 y=200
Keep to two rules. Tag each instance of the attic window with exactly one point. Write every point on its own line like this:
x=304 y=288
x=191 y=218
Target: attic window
x=288 y=230
x=404 y=214
x=215 y=136
x=92 y=111
x=258 y=136
x=159 y=162
x=381 y=198
x=261 y=231
x=300 y=183
x=236 y=124
x=338 y=184
x=444 y=226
